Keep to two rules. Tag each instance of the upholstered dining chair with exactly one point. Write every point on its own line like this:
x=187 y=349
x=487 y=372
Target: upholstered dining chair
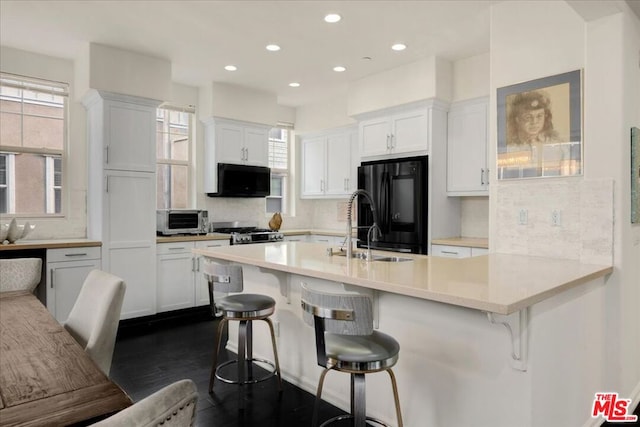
x=94 y=317
x=171 y=406
x=20 y=274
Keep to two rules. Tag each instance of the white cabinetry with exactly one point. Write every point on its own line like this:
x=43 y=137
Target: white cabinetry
x=395 y=131
x=181 y=283
x=121 y=193
x=328 y=164
x=450 y=251
x=65 y=274
x=467 y=171
x=230 y=141
x=297 y=238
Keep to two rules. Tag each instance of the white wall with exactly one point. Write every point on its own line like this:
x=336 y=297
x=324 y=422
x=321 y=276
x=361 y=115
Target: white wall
x=74 y=223
x=424 y=79
x=607 y=50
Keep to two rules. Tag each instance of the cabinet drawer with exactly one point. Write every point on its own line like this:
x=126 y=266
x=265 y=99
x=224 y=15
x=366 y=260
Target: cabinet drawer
x=450 y=251
x=73 y=254
x=174 y=248
x=479 y=251
x=211 y=244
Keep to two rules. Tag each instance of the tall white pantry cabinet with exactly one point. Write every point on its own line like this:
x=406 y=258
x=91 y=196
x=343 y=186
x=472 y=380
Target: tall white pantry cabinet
x=121 y=199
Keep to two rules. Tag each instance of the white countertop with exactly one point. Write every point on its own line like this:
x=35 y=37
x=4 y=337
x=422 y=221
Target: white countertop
x=497 y=283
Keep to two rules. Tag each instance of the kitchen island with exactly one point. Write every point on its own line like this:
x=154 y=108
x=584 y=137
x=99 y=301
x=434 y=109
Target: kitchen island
x=445 y=314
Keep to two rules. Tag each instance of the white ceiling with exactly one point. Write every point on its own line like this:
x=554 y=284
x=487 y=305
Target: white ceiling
x=201 y=37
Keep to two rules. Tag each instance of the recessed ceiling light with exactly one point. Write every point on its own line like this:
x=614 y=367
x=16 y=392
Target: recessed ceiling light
x=294 y=84
x=339 y=69
x=332 y=18
x=230 y=68
x=399 y=46
x=273 y=47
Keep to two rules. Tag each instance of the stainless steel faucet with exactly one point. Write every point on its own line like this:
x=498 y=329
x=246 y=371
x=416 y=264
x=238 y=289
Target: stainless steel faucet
x=373 y=230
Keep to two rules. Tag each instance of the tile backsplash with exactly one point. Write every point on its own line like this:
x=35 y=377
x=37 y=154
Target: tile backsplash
x=565 y=218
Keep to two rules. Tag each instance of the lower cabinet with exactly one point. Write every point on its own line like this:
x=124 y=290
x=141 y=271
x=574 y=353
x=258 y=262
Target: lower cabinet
x=456 y=251
x=327 y=240
x=180 y=281
x=66 y=271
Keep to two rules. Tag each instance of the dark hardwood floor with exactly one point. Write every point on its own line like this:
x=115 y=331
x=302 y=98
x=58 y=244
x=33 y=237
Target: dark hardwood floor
x=150 y=357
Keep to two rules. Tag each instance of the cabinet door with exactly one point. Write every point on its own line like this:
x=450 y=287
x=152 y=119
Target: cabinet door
x=256 y=143
x=129 y=240
x=375 y=136
x=467 y=149
x=229 y=143
x=313 y=167
x=64 y=281
x=130 y=136
x=176 y=288
x=410 y=132
x=339 y=166
x=202 y=288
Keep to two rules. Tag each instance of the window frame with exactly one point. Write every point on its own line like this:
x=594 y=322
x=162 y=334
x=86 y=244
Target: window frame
x=189 y=163
x=283 y=174
x=56 y=88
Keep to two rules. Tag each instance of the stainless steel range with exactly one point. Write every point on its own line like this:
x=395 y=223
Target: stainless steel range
x=244 y=233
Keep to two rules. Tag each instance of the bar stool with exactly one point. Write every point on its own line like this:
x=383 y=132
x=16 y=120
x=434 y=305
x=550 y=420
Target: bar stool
x=244 y=308
x=346 y=342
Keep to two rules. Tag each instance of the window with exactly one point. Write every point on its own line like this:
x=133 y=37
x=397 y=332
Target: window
x=33 y=134
x=173 y=146
x=279 y=164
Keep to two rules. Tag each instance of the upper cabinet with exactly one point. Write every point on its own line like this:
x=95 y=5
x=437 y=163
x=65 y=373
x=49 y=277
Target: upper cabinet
x=241 y=143
x=124 y=132
x=231 y=141
x=467 y=170
x=397 y=131
x=329 y=164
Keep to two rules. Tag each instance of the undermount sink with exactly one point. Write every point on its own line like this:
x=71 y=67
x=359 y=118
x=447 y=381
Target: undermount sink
x=383 y=258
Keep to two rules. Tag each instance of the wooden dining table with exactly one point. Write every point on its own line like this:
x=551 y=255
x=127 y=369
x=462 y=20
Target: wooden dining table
x=46 y=378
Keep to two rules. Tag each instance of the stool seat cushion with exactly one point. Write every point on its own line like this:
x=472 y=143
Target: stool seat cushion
x=363 y=349
x=246 y=303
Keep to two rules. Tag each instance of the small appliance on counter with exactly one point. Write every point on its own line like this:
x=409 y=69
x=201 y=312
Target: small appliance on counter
x=243 y=233
x=170 y=222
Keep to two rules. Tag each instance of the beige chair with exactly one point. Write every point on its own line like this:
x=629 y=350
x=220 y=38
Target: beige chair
x=20 y=274
x=172 y=406
x=93 y=320
x=346 y=342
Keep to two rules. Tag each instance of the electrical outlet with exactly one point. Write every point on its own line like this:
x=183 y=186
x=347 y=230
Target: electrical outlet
x=523 y=217
x=556 y=218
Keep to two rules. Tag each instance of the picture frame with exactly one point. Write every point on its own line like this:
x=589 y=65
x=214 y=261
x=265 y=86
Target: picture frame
x=540 y=127
x=635 y=175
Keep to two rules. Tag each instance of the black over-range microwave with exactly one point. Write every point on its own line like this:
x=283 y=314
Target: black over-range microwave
x=242 y=181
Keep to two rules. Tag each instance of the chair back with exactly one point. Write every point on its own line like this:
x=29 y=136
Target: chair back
x=340 y=313
x=224 y=278
x=20 y=274
x=94 y=318
x=171 y=406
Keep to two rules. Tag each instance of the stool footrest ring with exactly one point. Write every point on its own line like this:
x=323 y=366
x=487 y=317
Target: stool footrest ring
x=248 y=381
x=349 y=416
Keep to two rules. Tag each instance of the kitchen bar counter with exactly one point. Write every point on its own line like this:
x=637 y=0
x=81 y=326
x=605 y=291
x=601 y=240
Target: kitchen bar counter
x=495 y=283
x=471 y=242
x=50 y=244
x=191 y=237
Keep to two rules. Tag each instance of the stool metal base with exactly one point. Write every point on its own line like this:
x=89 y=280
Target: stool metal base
x=349 y=416
x=271 y=373
x=245 y=356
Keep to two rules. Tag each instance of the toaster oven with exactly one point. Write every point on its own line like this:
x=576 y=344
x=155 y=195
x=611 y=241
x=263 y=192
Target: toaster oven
x=181 y=221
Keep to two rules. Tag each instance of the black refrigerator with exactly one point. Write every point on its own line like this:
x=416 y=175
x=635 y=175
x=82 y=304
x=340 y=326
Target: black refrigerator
x=399 y=191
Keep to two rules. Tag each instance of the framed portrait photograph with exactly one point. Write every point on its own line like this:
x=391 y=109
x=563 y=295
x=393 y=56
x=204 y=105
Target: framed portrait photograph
x=540 y=127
